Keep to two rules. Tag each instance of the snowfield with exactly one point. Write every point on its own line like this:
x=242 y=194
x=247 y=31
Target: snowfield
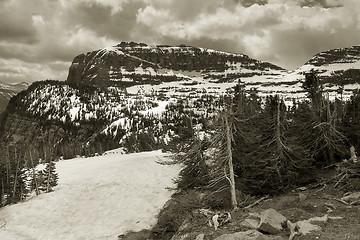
x=97 y=198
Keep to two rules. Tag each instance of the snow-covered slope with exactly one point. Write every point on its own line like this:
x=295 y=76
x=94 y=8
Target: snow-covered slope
x=335 y=67
x=129 y=64
x=9 y=90
x=97 y=198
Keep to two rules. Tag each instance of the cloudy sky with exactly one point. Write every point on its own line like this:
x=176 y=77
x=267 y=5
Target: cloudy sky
x=40 y=38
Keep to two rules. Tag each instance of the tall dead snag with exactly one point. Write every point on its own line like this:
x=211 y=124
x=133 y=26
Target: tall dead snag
x=231 y=178
x=221 y=169
x=35 y=182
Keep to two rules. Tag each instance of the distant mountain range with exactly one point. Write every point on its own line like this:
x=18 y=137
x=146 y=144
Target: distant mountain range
x=9 y=90
x=141 y=96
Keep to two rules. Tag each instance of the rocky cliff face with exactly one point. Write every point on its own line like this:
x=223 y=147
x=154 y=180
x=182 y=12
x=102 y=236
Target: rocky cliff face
x=132 y=64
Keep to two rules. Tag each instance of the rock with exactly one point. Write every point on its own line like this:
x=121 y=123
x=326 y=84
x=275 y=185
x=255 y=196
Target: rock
x=351 y=197
x=302 y=197
x=250 y=223
x=200 y=237
x=271 y=221
x=301 y=188
x=305 y=227
x=248 y=235
x=142 y=235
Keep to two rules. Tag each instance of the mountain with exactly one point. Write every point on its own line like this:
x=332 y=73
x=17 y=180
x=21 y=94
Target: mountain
x=144 y=97
x=131 y=63
x=335 y=68
x=9 y=90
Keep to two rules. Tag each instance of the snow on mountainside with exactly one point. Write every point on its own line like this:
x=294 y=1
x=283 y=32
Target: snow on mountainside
x=159 y=94
x=106 y=114
x=335 y=68
x=97 y=198
x=131 y=64
x=9 y=90
x=175 y=70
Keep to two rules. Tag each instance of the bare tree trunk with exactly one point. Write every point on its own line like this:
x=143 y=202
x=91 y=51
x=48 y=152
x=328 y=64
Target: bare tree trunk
x=278 y=128
x=34 y=174
x=16 y=176
x=230 y=164
x=2 y=192
x=328 y=114
x=279 y=143
x=48 y=178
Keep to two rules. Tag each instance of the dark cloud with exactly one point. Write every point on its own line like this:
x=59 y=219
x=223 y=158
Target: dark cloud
x=99 y=19
x=320 y=3
x=249 y=3
x=16 y=25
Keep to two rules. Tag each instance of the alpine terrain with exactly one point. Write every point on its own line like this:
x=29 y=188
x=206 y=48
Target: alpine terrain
x=9 y=90
x=240 y=129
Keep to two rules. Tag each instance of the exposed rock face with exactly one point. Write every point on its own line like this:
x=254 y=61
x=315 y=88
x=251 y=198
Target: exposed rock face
x=133 y=63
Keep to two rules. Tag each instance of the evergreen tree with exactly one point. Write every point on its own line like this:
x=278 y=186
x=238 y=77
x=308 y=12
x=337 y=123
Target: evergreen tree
x=278 y=161
x=321 y=130
x=351 y=120
x=49 y=176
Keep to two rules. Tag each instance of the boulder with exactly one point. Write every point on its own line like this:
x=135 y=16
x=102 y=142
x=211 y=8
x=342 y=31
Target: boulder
x=271 y=221
x=250 y=223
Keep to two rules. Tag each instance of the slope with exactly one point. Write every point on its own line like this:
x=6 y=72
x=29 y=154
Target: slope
x=97 y=198
x=338 y=70
x=9 y=90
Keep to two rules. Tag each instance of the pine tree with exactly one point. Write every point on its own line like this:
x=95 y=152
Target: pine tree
x=321 y=131
x=49 y=176
x=278 y=160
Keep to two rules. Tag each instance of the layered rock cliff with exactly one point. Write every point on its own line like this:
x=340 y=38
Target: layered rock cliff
x=132 y=64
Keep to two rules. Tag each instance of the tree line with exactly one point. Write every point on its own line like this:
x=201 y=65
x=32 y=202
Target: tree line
x=268 y=147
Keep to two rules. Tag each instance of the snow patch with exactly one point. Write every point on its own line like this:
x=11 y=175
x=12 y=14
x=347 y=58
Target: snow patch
x=97 y=198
